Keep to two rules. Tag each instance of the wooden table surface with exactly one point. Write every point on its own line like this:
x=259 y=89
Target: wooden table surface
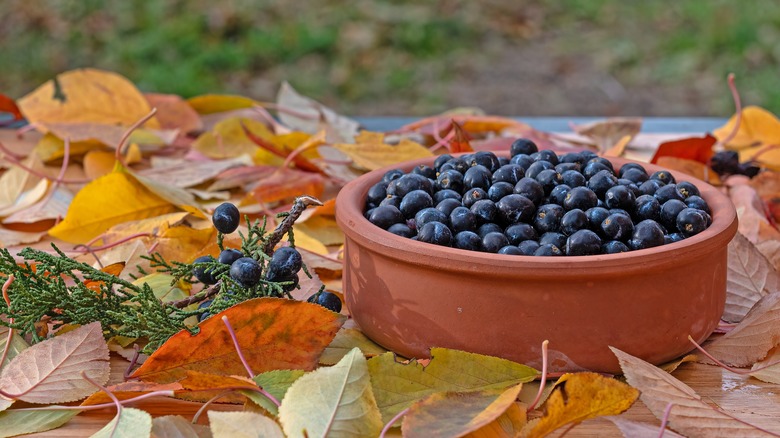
x=742 y=396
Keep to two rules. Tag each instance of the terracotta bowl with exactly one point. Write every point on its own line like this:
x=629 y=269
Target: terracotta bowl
x=409 y=296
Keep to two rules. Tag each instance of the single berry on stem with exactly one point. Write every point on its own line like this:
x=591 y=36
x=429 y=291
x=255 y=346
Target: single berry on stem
x=226 y=218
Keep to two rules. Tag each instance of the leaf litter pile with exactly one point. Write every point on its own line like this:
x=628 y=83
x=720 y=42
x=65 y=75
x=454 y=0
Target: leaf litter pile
x=106 y=201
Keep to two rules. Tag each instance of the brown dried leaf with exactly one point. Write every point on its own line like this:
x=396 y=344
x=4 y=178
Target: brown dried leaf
x=633 y=429
x=345 y=340
x=607 y=133
x=753 y=223
x=310 y=116
x=10 y=238
x=690 y=415
x=243 y=425
x=188 y=173
x=750 y=277
x=751 y=340
x=50 y=372
x=456 y=414
x=175 y=426
x=770 y=374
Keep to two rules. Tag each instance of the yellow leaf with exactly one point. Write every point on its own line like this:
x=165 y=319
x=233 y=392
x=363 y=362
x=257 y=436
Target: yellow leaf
x=217 y=103
x=86 y=95
x=580 y=396
x=323 y=229
x=98 y=163
x=109 y=200
x=766 y=155
x=370 y=152
x=757 y=127
x=228 y=140
x=307 y=242
x=50 y=147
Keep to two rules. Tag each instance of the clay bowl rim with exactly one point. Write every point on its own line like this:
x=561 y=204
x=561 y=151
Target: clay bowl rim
x=349 y=216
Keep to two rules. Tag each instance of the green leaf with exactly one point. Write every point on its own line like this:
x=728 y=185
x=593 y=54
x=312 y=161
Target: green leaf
x=333 y=402
x=243 y=425
x=455 y=414
x=176 y=426
x=344 y=342
x=16 y=422
x=276 y=382
x=398 y=385
x=130 y=423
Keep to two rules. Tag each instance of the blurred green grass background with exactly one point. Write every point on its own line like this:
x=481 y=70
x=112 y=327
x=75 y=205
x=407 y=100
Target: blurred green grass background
x=381 y=57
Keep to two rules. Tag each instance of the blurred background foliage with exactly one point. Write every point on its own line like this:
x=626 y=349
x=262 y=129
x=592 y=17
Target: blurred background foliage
x=382 y=57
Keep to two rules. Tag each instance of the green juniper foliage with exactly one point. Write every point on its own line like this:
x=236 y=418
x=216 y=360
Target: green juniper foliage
x=51 y=287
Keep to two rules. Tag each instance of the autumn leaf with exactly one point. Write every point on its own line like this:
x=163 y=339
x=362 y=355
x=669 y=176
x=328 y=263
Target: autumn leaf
x=750 y=277
x=757 y=126
x=324 y=229
x=345 y=341
x=276 y=383
x=243 y=425
x=217 y=103
x=581 y=396
x=751 y=339
x=397 y=385
x=228 y=139
x=187 y=173
x=690 y=167
x=690 y=415
x=335 y=401
x=607 y=133
x=201 y=387
x=128 y=423
x=460 y=143
x=370 y=152
x=288 y=183
x=456 y=414
x=16 y=181
x=107 y=201
x=7 y=105
x=16 y=422
x=304 y=114
x=768 y=369
x=753 y=223
x=176 y=426
x=17 y=345
x=173 y=112
x=273 y=333
x=276 y=145
x=86 y=95
x=163 y=287
x=50 y=372
x=98 y=134
x=114 y=269
x=694 y=148
x=633 y=429
x=9 y=238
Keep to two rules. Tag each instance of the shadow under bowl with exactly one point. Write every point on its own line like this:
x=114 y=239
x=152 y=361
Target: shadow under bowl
x=409 y=296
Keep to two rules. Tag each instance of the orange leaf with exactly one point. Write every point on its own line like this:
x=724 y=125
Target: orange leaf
x=127 y=390
x=202 y=387
x=288 y=183
x=273 y=333
x=173 y=112
x=113 y=269
x=461 y=141
x=279 y=150
x=472 y=124
x=7 y=105
x=694 y=148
